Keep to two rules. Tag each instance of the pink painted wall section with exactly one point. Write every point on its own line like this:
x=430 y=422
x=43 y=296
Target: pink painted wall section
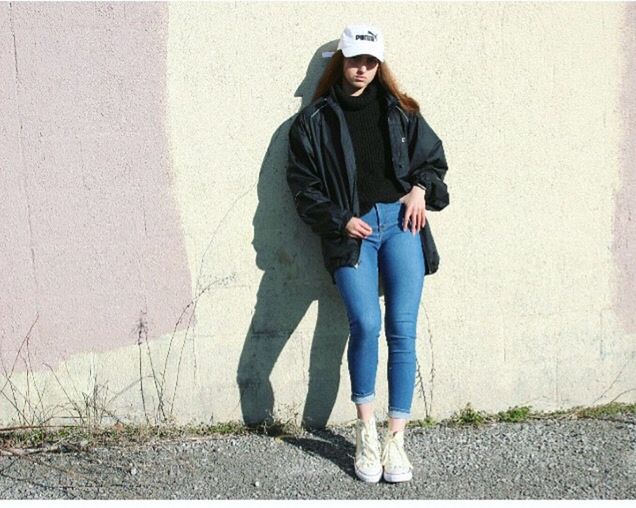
x=90 y=237
x=625 y=218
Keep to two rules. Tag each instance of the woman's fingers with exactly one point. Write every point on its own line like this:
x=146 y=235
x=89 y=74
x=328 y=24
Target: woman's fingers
x=417 y=218
x=366 y=228
x=407 y=215
x=410 y=215
x=363 y=228
x=359 y=228
x=414 y=214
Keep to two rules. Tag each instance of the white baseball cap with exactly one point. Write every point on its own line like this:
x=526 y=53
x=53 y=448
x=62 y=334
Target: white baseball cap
x=362 y=40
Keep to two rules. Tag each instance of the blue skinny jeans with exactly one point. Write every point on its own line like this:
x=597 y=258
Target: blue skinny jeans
x=397 y=255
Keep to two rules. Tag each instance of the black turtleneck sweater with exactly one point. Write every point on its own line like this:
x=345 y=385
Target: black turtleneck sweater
x=366 y=117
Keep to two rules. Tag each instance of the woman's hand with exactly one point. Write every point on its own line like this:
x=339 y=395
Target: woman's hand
x=415 y=209
x=357 y=228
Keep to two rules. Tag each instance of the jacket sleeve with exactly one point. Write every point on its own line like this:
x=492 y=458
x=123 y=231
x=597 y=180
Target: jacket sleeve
x=427 y=162
x=303 y=177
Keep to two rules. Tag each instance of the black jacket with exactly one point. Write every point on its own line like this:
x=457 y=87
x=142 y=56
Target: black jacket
x=321 y=174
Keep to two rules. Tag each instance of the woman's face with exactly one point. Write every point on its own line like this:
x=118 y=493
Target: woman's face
x=360 y=70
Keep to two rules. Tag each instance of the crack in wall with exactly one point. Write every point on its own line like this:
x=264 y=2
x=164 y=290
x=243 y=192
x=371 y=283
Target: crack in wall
x=432 y=370
x=202 y=286
x=22 y=158
x=556 y=381
x=428 y=401
x=620 y=372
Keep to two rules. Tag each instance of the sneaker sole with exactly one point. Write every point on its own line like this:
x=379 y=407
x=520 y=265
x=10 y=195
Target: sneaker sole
x=397 y=477
x=368 y=478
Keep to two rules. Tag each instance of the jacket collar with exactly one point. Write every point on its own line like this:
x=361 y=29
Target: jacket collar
x=391 y=99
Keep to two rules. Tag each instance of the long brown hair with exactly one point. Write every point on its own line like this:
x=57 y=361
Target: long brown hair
x=333 y=74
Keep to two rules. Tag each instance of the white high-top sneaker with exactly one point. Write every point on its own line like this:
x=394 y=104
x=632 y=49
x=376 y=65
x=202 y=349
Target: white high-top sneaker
x=397 y=467
x=367 y=462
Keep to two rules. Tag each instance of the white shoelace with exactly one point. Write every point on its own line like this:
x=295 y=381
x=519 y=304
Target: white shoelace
x=369 y=450
x=394 y=455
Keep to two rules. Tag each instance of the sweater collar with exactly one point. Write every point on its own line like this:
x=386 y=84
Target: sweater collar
x=391 y=100
x=356 y=102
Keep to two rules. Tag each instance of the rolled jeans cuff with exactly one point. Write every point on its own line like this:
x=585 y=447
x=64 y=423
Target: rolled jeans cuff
x=362 y=399
x=396 y=413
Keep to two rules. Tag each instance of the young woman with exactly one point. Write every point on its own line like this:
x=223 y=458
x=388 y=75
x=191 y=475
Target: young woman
x=364 y=166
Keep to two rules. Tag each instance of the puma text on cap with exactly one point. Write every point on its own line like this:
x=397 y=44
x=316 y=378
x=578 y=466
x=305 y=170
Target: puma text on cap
x=362 y=40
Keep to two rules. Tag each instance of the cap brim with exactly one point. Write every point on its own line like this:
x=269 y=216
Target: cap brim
x=349 y=52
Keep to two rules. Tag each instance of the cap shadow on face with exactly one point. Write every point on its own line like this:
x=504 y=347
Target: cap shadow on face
x=368 y=61
x=360 y=70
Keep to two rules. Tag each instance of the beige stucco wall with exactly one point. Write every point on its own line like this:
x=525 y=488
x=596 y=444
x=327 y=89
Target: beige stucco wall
x=530 y=303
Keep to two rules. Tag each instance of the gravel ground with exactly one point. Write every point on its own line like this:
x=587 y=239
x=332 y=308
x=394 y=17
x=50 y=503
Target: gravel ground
x=543 y=459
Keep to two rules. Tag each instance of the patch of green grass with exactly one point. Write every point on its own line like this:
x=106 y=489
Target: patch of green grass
x=468 y=416
x=78 y=436
x=220 y=428
x=426 y=422
x=514 y=414
x=611 y=409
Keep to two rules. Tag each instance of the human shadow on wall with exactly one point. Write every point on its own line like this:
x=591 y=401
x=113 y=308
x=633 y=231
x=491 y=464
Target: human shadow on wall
x=293 y=278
